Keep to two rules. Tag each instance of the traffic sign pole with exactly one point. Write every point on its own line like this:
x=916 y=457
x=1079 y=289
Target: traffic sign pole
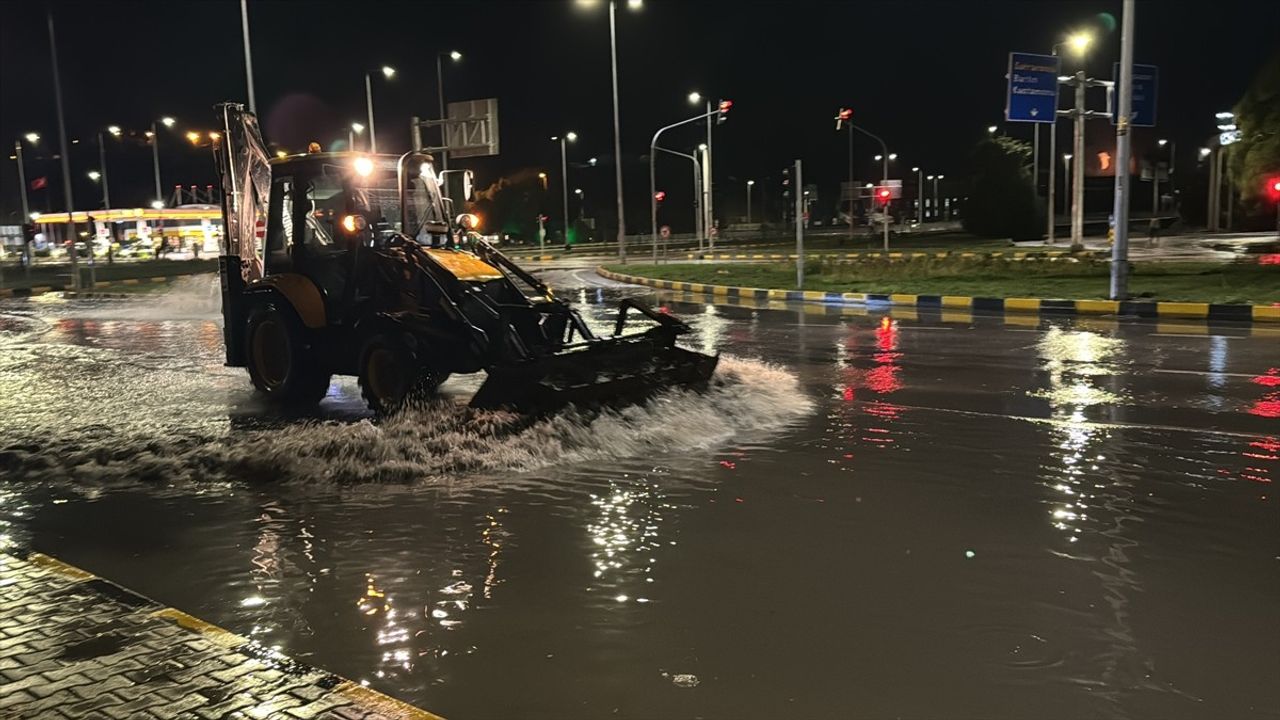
x=1120 y=249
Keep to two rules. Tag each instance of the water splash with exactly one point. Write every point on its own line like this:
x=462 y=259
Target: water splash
x=444 y=439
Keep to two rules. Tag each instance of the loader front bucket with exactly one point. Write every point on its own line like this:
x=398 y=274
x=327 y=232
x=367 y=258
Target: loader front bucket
x=608 y=372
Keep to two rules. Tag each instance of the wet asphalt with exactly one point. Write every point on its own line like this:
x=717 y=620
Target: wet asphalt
x=874 y=515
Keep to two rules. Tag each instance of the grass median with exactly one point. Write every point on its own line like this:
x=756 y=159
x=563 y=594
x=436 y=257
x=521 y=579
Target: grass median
x=1186 y=282
x=59 y=275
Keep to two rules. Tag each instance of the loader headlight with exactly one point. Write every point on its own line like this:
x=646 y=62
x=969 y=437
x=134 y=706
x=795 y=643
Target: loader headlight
x=353 y=224
x=364 y=166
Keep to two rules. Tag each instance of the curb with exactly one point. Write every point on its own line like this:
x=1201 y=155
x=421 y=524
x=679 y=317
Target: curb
x=892 y=256
x=367 y=699
x=42 y=289
x=1042 y=306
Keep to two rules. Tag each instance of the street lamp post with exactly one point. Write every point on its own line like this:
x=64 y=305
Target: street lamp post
x=32 y=138
x=919 y=195
x=653 y=178
x=884 y=157
x=753 y=182
x=617 y=123
x=564 y=177
x=708 y=209
x=387 y=72
x=444 y=127
x=697 y=190
x=102 y=164
x=1066 y=177
x=155 y=155
x=355 y=129
x=1079 y=43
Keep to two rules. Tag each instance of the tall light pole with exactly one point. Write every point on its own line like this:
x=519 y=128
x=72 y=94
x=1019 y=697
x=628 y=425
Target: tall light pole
x=697 y=189
x=753 y=182
x=1079 y=43
x=617 y=122
x=919 y=195
x=708 y=206
x=934 y=215
x=32 y=138
x=1066 y=177
x=653 y=178
x=1120 y=249
x=387 y=72
x=155 y=155
x=248 y=58
x=66 y=163
x=564 y=176
x=455 y=56
x=102 y=163
x=842 y=117
x=355 y=129
x=885 y=156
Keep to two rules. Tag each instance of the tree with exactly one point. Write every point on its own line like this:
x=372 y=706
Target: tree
x=511 y=205
x=1257 y=155
x=1002 y=198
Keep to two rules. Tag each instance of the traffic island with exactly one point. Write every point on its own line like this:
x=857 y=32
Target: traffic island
x=73 y=645
x=1184 y=290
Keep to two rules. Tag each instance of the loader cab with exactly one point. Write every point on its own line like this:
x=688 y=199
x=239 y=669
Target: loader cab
x=325 y=207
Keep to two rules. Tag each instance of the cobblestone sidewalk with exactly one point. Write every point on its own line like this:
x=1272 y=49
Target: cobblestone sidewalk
x=76 y=646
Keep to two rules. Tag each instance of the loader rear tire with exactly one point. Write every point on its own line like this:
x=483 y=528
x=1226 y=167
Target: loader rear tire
x=277 y=354
x=391 y=375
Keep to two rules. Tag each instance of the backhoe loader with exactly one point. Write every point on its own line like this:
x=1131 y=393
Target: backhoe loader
x=343 y=263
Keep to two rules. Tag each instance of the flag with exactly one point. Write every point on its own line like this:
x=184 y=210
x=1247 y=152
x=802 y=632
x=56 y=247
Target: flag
x=39 y=183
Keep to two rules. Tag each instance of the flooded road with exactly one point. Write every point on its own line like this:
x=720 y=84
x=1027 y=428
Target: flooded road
x=868 y=515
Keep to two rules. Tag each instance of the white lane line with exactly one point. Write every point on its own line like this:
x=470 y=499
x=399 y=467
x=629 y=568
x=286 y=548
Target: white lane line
x=1202 y=372
x=1189 y=335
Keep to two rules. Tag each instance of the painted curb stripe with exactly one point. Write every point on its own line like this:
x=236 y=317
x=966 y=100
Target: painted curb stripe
x=365 y=698
x=1131 y=308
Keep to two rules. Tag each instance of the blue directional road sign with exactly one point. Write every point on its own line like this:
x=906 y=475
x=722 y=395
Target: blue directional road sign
x=1033 y=88
x=1145 y=79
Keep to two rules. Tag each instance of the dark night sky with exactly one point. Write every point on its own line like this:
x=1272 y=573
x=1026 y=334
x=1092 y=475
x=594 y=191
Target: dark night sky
x=927 y=76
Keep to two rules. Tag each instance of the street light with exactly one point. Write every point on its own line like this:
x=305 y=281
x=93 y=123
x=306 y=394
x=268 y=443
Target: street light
x=94 y=175
x=1204 y=152
x=355 y=129
x=387 y=72
x=155 y=154
x=455 y=56
x=564 y=176
x=592 y=161
x=991 y=129
x=1079 y=42
x=32 y=138
x=617 y=122
x=919 y=195
x=708 y=209
x=749 y=184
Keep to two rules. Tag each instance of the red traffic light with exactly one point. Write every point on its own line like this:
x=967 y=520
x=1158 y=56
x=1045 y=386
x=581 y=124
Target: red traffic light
x=660 y=195
x=883 y=195
x=1273 y=188
x=725 y=105
x=845 y=113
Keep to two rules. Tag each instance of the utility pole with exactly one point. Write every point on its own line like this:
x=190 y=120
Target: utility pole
x=799 y=228
x=707 y=179
x=248 y=58
x=1077 y=177
x=66 y=163
x=1120 y=248
x=102 y=164
x=617 y=136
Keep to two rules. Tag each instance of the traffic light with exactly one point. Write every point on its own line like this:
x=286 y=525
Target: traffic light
x=1273 y=188
x=724 y=111
x=883 y=195
x=843 y=117
x=660 y=196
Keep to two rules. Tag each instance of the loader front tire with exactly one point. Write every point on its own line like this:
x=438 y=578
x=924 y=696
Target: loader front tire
x=391 y=375
x=278 y=358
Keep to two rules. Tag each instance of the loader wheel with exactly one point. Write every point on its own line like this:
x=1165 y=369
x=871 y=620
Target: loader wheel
x=277 y=354
x=391 y=374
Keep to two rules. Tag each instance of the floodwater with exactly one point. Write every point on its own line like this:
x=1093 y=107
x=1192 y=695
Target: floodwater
x=867 y=516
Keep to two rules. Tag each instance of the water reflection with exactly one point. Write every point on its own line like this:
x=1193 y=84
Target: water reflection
x=864 y=413
x=1093 y=501
x=625 y=538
